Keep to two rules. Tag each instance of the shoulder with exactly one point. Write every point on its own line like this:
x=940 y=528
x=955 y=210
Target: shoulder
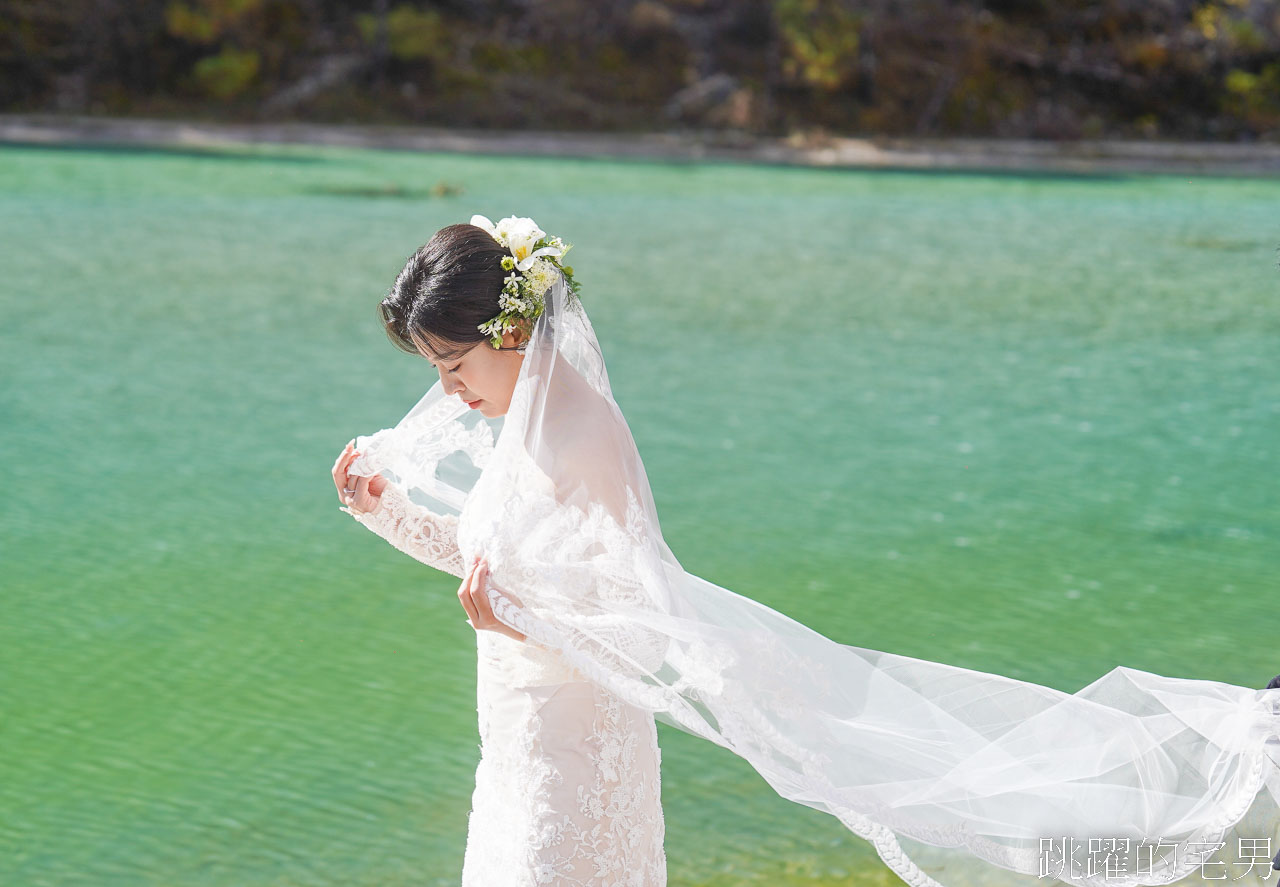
x=593 y=461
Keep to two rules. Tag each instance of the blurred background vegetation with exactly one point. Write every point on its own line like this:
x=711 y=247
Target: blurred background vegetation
x=1049 y=69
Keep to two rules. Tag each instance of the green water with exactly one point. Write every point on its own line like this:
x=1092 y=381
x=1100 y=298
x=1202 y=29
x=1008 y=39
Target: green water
x=1023 y=424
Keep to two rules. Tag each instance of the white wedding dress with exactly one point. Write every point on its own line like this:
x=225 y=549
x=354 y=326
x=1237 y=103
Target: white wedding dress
x=568 y=784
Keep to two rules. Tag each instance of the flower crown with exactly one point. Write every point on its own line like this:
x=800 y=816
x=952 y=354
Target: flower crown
x=537 y=256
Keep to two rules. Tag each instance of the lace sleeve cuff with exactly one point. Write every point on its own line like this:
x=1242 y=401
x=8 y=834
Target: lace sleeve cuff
x=414 y=529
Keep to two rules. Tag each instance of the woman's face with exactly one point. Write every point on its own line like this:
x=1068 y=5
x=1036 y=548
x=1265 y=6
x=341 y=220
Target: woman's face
x=482 y=374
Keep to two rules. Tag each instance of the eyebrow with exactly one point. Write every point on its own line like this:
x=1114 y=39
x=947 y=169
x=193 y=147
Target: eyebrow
x=427 y=357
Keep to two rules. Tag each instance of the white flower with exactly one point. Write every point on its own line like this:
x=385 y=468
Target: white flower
x=520 y=234
x=540 y=277
x=482 y=222
x=509 y=302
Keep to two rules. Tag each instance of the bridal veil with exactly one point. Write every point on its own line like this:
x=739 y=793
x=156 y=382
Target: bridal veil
x=955 y=776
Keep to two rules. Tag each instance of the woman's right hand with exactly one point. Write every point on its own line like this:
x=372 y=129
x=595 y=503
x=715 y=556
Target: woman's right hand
x=368 y=490
x=476 y=602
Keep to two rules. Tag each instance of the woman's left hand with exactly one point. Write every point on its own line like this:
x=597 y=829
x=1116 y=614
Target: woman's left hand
x=474 y=600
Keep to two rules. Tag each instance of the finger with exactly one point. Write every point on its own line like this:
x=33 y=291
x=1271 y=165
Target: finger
x=346 y=464
x=348 y=479
x=484 y=583
x=337 y=464
x=478 y=598
x=464 y=596
x=481 y=599
x=485 y=587
x=340 y=467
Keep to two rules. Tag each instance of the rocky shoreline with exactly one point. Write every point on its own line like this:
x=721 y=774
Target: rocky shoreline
x=815 y=150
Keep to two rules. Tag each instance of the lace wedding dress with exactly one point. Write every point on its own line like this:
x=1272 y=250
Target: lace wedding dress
x=568 y=785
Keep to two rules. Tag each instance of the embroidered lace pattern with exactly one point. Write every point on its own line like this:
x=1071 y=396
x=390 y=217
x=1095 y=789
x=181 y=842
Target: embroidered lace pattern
x=417 y=531
x=568 y=785
x=567 y=791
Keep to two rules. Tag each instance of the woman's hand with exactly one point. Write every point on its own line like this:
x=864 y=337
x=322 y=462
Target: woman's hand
x=368 y=490
x=476 y=602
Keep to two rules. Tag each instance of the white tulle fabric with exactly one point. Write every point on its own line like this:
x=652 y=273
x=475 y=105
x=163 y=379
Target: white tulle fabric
x=955 y=776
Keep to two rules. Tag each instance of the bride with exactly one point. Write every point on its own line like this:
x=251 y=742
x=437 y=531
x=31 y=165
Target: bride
x=517 y=473
x=567 y=789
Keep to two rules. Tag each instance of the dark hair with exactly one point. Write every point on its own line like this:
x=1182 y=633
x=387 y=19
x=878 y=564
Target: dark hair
x=446 y=290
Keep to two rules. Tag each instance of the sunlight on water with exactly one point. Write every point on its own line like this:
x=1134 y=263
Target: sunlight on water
x=1023 y=424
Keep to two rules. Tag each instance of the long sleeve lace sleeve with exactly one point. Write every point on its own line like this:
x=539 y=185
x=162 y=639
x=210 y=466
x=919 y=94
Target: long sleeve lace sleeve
x=416 y=530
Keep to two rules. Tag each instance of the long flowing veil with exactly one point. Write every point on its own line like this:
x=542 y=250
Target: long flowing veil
x=955 y=776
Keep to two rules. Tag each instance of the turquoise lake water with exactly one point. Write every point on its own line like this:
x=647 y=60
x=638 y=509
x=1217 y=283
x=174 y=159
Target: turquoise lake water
x=1027 y=424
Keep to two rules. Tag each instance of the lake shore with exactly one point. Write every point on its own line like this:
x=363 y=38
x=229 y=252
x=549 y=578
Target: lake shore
x=1094 y=157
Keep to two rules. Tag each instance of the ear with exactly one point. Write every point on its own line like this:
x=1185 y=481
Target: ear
x=514 y=338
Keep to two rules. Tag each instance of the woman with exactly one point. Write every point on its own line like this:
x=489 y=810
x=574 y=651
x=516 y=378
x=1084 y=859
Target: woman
x=567 y=789
x=529 y=485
